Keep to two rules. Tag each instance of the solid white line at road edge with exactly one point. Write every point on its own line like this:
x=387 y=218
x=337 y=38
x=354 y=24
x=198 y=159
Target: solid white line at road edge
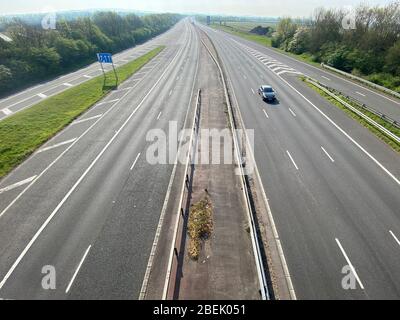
x=74 y=76
x=342 y=131
x=338 y=127
x=329 y=73
x=349 y=263
x=134 y=162
x=294 y=163
x=65 y=151
x=149 y=266
x=322 y=71
x=328 y=155
x=17 y=184
x=275 y=233
x=281 y=254
x=77 y=269
x=395 y=238
x=66 y=197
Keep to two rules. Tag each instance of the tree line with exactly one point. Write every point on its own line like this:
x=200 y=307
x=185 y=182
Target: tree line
x=366 y=44
x=35 y=54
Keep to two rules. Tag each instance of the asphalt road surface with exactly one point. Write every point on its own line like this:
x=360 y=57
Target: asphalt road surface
x=333 y=187
x=29 y=97
x=283 y=64
x=90 y=203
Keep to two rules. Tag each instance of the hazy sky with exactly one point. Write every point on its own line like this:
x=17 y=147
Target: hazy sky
x=298 y=8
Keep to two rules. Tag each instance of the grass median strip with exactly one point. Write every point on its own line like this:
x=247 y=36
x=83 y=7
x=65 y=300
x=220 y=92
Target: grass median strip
x=24 y=132
x=392 y=143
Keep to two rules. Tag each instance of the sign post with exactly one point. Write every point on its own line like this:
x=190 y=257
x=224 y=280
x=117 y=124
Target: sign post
x=107 y=58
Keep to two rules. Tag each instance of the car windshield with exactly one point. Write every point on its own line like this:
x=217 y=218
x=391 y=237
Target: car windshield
x=268 y=89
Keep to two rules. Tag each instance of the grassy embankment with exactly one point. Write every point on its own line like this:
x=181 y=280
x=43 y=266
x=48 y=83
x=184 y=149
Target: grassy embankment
x=242 y=30
x=392 y=143
x=262 y=40
x=24 y=132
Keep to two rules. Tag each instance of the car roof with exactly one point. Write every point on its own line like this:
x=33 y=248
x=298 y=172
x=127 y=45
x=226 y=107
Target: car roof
x=266 y=86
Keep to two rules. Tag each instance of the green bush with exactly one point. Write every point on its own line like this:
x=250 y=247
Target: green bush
x=36 y=54
x=22 y=133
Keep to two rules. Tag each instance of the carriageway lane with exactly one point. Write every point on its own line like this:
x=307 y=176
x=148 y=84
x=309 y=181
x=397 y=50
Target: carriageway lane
x=379 y=101
x=314 y=200
x=30 y=96
x=111 y=193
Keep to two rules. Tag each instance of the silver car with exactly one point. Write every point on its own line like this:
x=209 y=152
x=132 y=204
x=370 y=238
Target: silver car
x=267 y=93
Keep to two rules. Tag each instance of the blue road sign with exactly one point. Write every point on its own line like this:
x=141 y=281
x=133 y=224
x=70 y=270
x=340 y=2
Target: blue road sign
x=104 y=57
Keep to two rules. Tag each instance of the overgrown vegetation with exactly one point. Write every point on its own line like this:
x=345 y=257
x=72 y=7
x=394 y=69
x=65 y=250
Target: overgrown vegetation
x=200 y=226
x=371 y=49
x=35 y=54
x=21 y=134
x=392 y=143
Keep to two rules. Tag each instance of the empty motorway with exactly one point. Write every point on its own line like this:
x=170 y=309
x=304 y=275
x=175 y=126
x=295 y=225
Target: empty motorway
x=88 y=202
x=282 y=63
x=29 y=97
x=332 y=186
x=92 y=202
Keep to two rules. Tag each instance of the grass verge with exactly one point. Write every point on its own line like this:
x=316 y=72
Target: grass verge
x=386 y=80
x=266 y=42
x=263 y=40
x=392 y=143
x=199 y=226
x=22 y=133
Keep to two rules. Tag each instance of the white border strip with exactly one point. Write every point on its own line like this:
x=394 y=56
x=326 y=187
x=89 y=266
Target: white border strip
x=255 y=245
x=143 y=290
x=285 y=267
x=56 y=145
x=66 y=150
x=77 y=183
x=17 y=184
